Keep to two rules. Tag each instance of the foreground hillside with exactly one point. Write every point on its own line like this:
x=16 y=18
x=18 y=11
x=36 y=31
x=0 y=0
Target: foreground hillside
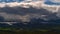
x=28 y=32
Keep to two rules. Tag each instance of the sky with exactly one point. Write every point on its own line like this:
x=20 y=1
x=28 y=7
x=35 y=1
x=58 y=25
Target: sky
x=7 y=1
x=52 y=2
x=16 y=11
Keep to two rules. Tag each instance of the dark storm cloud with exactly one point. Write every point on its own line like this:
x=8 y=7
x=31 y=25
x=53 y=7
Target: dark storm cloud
x=25 y=14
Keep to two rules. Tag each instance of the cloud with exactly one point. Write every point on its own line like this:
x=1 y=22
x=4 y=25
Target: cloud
x=56 y=1
x=25 y=3
x=24 y=12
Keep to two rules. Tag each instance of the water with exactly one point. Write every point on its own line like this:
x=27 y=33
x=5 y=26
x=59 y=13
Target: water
x=52 y=2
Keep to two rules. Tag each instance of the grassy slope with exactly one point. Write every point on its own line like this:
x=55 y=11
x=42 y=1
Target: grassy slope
x=27 y=31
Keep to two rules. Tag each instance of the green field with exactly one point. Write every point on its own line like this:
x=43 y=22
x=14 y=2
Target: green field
x=28 y=31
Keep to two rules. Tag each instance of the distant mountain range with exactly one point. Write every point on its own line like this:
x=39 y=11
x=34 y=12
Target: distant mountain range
x=34 y=23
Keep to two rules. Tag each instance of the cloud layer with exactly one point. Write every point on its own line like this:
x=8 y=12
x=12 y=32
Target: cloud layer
x=25 y=14
x=25 y=11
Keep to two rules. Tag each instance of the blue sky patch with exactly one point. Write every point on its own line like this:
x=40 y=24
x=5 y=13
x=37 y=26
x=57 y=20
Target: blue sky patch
x=51 y=2
x=7 y=1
